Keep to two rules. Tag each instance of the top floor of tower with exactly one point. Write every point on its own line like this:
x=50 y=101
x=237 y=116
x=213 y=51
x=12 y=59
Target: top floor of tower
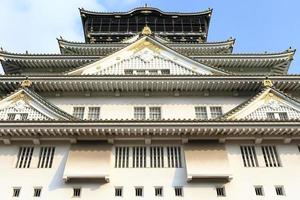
x=173 y=26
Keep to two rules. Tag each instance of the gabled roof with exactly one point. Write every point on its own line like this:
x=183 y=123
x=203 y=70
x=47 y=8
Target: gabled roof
x=267 y=100
x=264 y=63
x=258 y=64
x=24 y=100
x=146 y=53
x=102 y=49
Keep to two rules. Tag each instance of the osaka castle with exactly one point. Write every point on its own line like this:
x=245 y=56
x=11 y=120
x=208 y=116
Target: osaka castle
x=147 y=108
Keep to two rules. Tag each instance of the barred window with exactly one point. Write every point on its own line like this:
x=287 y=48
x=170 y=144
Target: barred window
x=279 y=190
x=11 y=116
x=271 y=156
x=122 y=157
x=154 y=113
x=178 y=191
x=249 y=156
x=270 y=115
x=94 y=113
x=24 y=157
x=76 y=192
x=165 y=71
x=118 y=191
x=174 y=157
x=215 y=111
x=128 y=71
x=140 y=72
x=46 y=157
x=156 y=157
x=139 y=191
x=201 y=112
x=158 y=191
x=78 y=112
x=37 y=192
x=259 y=190
x=283 y=116
x=139 y=157
x=23 y=116
x=153 y=72
x=139 y=113
x=220 y=191
x=16 y=192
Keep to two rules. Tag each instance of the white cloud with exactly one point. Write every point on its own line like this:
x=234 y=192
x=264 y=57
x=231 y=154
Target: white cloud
x=33 y=25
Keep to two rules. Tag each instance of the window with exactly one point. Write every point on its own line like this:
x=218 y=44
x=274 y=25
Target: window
x=271 y=116
x=118 y=191
x=159 y=191
x=220 y=191
x=249 y=156
x=76 y=192
x=279 y=190
x=46 y=157
x=259 y=190
x=128 y=72
x=174 y=157
x=154 y=113
x=78 y=112
x=140 y=113
x=94 y=113
x=16 y=192
x=215 y=111
x=139 y=157
x=23 y=116
x=37 y=192
x=153 y=72
x=24 y=157
x=139 y=191
x=140 y=72
x=178 y=191
x=122 y=157
x=156 y=157
x=277 y=115
x=283 y=116
x=160 y=157
x=201 y=112
x=271 y=156
x=165 y=71
x=11 y=116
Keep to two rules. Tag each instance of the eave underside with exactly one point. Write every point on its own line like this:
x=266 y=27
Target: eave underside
x=267 y=64
x=168 y=129
x=103 y=49
x=124 y=84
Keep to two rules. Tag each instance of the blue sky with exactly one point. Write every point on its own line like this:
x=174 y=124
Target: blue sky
x=257 y=25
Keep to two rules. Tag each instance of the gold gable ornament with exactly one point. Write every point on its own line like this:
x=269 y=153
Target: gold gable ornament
x=146 y=30
x=26 y=83
x=268 y=83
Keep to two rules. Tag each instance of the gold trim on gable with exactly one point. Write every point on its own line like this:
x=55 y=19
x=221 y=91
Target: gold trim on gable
x=145 y=44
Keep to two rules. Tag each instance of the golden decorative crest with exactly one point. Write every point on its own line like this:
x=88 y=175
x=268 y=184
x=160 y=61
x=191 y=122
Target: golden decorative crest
x=146 y=30
x=26 y=83
x=145 y=44
x=268 y=83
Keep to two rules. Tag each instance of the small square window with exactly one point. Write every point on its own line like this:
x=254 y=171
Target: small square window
x=154 y=113
x=118 y=191
x=139 y=113
x=11 y=116
x=16 y=192
x=220 y=191
x=37 y=192
x=279 y=190
x=76 y=192
x=139 y=191
x=159 y=191
x=259 y=191
x=178 y=191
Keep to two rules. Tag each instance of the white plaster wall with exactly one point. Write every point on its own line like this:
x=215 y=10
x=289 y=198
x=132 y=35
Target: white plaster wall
x=171 y=107
x=241 y=187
